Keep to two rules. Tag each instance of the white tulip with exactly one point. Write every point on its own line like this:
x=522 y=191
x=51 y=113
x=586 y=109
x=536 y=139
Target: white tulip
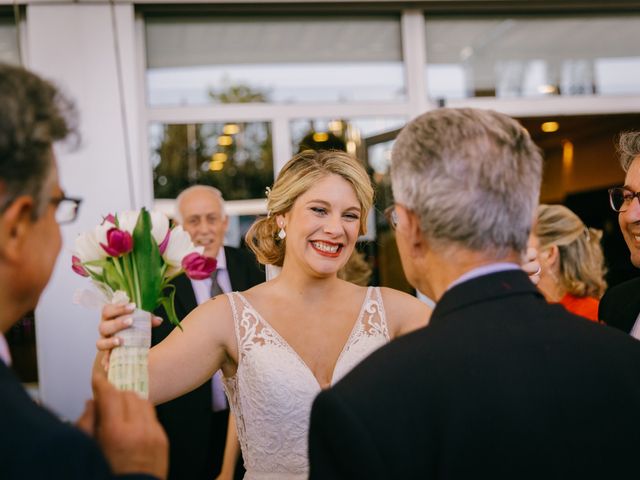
x=159 y=226
x=179 y=246
x=100 y=232
x=87 y=247
x=127 y=220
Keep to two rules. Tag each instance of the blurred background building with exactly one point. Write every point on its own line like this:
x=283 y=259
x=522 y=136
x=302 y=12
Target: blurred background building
x=224 y=92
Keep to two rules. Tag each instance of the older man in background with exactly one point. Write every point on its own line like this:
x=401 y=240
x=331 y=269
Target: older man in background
x=196 y=423
x=620 y=305
x=500 y=384
x=128 y=441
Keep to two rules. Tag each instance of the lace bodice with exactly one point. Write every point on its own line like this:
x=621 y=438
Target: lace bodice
x=273 y=389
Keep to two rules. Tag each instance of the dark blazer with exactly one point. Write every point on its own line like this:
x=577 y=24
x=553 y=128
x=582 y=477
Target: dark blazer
x=620 y=305
x=34 y=444
x=196 y=434
x=499 y=385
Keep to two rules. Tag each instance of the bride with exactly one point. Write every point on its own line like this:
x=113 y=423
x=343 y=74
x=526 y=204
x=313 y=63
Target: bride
x=281 y=342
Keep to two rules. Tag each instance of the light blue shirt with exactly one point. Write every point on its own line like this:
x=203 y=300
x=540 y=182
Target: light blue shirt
x=484 y=270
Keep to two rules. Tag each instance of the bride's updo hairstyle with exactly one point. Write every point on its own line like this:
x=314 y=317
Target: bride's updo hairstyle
x=301 y=173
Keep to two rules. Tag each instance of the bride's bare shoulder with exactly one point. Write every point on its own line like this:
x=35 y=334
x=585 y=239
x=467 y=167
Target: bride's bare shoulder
x=217 y=308
x=404 y=312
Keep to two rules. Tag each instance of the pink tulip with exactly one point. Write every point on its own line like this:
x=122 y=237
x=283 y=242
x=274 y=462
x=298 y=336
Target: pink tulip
x=76 y=266
x=198 y=267
x=118 y=242
x=165 y=242
x=110 y=218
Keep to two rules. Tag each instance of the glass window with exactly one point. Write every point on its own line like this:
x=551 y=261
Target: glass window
x=238 y=228
x=9 y=52
x=234 y=157
x=532 y=56
x=341 y=134
x=351 y=135
x=234 y=59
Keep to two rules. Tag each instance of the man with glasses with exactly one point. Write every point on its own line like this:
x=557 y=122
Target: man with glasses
x=501 y=384
x=620 y=305
x=127 y=438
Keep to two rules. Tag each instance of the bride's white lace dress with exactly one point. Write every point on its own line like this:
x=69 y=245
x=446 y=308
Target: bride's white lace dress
x=273 y=389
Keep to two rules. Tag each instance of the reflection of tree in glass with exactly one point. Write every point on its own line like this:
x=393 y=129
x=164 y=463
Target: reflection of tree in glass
x=237 y=158
x=238 y=94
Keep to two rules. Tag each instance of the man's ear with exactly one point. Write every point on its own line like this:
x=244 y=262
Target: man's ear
x=409 y=222
x=15 y=224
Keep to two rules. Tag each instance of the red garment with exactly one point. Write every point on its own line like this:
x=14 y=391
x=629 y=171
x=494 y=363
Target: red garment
x=584 y=306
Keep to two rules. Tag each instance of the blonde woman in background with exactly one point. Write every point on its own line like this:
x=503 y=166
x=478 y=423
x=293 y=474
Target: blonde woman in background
x=280 y=343
x=571 y=260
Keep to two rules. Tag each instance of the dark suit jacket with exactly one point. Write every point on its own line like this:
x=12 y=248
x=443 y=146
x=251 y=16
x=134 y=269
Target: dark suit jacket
x=196 y=434
x=620 y=305
x=34 y=444
x=500 y=385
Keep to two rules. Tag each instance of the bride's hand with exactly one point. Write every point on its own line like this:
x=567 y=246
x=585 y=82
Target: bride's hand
x=114 y=319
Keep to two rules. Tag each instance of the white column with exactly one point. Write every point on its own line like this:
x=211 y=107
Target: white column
x=414 y=54
x=76 y=46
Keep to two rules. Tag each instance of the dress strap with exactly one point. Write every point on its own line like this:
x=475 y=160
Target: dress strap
x=375 y=318
x=233 y=301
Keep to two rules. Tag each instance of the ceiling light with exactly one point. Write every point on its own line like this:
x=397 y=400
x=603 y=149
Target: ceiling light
x=550 y=127
x=225 y=140
x=230 y=129
x=219 y=157
x=335 y=126
x=320 y=137
x=216 y=166
x=547 y=89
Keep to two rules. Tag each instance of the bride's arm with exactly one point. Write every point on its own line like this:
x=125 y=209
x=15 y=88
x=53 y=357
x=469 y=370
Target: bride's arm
x=186 y=358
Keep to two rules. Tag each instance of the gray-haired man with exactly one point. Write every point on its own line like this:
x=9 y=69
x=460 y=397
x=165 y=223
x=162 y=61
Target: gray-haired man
x=500 y=384
x=620 y=305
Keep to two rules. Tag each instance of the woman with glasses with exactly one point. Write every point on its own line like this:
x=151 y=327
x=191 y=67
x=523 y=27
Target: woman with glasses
x=571 y=260
x=281 y=342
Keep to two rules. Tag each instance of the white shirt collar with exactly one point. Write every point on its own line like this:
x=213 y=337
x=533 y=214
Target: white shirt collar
x=221 y=259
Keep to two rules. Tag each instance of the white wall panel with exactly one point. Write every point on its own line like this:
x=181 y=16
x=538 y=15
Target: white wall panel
x=74 y=46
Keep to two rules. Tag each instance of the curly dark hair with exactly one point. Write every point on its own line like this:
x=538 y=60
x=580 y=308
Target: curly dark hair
x=628 y=148
x=33 y=116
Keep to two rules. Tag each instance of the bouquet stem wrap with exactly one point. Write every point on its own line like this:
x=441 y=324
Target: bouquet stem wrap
x=128 y=368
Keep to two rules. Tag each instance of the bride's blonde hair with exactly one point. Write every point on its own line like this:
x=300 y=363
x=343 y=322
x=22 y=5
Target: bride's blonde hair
x=300 y=173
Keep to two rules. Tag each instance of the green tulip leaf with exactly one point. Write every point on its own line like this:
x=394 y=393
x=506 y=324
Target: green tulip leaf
x=147 y=263
x=167 y=303
x=113 y=278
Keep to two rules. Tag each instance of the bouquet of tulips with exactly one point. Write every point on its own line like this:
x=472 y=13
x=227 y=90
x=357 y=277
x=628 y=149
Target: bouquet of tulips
x=132 y=257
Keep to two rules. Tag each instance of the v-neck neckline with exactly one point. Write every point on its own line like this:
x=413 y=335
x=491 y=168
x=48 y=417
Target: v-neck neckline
x=288 y=346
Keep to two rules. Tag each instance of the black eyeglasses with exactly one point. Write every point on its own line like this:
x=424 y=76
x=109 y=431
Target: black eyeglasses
x=620 y=198
x=392 y=216
x=66 y=208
